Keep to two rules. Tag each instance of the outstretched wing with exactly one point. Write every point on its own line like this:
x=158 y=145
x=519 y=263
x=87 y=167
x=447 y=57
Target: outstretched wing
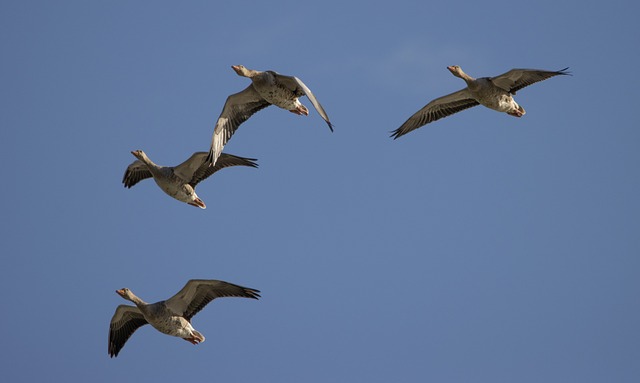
x=224 y=160
x=435 y=110
x=237 y=109
x=135 y=173
x=125 y=321
x=516 y=79
x=197 y=293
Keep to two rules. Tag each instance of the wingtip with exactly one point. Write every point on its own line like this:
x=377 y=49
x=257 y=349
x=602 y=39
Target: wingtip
x=330 y=126
x=112 y=351
x=565 y=72
x=254 y=294
x=395 y=134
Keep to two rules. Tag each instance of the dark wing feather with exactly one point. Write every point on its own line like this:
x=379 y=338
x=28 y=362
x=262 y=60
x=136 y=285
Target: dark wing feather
x=516 y=79
x=125 y=321
x=435 y=110
x=197 y=293
x=224 y=160
x=136 y=172
x=237 y=109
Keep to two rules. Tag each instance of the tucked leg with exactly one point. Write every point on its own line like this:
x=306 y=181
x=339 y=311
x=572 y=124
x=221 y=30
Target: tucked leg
x=518 y=112
x=300 y=110
x=192 y=340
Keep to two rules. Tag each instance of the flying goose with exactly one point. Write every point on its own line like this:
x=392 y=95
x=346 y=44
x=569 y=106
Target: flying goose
x=266 y=88
x=173 y=316
x=493 y=92
x=180 y=181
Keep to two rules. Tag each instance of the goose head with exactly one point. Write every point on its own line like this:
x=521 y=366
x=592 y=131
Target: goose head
x=139 y=154
x=241 y=70
x=126 y=294
x=457 y=71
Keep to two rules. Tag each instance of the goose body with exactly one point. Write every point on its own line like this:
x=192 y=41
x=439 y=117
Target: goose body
x=180 y=181
x=171 y=316
x=273 y=89
x=493 y=92
x=266 y=88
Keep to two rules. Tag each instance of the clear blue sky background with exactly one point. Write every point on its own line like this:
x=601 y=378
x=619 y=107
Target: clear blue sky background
x=480 y=248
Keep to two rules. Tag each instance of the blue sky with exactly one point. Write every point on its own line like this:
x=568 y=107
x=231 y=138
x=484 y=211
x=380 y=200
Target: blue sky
x=478 y=248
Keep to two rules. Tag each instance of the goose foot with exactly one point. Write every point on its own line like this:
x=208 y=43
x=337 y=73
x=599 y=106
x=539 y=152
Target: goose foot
x=198 y=203
x=518 y=112
x=300 y=110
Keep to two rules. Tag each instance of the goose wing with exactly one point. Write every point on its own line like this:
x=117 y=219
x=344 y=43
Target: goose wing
x=237 y=109
x=188 y=168
x=300 y=89
x=516 y=79
x=125 y=321
x=135 y=173
x=197 y=293
x=435 y=110
x=224 y=160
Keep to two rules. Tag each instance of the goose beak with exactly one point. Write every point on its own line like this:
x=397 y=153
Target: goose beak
x=120 y=292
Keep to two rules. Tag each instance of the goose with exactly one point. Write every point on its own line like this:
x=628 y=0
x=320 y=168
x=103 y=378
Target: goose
x=266 y=88
x=493 y=92
x=173 y=316
x=180 y=181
